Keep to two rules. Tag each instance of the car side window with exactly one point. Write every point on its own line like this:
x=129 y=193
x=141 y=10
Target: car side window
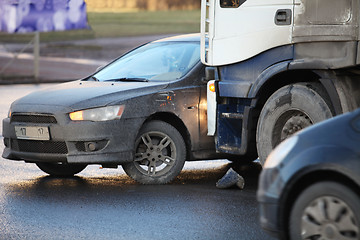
x=231 y=3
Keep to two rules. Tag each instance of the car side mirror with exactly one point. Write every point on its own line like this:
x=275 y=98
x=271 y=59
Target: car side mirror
x=209 y=74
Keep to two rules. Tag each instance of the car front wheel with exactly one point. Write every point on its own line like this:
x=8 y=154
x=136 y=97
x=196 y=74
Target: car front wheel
x=159 y=154
x=326 y=210
x=61 y=170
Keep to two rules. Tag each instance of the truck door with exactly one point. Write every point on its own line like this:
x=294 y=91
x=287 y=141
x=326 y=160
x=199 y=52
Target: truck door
x=325 y=20
x=240 y=29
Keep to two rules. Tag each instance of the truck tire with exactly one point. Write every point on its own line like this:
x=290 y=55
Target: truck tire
x=288 y=110
x=160 y=154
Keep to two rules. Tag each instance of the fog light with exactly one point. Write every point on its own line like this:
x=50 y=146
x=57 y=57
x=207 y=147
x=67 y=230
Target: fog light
x=91 y=146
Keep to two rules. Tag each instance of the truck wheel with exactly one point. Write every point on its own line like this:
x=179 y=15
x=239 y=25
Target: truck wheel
x=288 y=110
x=159 y=154
x=326 y=210
x=61 y=170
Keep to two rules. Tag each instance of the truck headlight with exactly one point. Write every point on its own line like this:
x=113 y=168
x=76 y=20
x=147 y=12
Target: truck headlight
x=98 y=114
x=280 y=152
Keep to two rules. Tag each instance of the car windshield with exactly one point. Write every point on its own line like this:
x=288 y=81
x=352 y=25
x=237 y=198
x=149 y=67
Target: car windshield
x=158 y=61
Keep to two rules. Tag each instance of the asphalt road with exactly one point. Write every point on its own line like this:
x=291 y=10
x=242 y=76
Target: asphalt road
x=106 y=204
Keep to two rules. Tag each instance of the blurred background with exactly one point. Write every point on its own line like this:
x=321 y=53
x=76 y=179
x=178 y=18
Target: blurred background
x=115 y=27
x=151 y=5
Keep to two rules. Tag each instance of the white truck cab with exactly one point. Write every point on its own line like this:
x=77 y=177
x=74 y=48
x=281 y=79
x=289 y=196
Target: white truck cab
x=281 y=66
x=240 y=29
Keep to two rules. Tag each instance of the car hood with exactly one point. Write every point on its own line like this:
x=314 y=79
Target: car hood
x=82 y=94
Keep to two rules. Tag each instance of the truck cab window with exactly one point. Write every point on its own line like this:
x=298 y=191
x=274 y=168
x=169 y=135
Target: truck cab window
x=231 y=3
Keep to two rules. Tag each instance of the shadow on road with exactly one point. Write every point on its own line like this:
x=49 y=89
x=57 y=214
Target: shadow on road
x=113 y=185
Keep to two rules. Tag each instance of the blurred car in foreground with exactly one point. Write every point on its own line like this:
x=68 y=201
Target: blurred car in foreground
x=145 y=111
x=310 y=185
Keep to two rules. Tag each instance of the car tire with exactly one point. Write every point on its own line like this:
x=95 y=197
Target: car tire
x=326 y=210
x=61 y=170
x=288 y=110
x=160 y=154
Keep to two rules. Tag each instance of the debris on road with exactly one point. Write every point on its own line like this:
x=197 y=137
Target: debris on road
x=230 y=179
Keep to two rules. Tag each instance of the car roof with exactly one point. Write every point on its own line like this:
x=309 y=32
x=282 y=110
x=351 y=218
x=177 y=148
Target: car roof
x=194 y=37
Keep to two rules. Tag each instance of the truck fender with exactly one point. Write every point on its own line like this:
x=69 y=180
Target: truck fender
x=266 y=75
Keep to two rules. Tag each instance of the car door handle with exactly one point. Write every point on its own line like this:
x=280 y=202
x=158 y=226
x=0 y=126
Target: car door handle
x=283 y=17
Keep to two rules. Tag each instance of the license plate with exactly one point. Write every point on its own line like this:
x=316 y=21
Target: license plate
x=32 y=133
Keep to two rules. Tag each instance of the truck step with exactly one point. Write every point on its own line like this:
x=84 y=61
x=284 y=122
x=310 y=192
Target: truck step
x=233 y=115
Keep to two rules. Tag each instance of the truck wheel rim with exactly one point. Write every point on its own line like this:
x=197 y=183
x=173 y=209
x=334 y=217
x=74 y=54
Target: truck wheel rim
x=289 y=123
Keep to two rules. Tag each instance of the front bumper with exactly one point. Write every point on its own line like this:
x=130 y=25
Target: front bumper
x=109 y=142
x=268 y=196
x=268 y=218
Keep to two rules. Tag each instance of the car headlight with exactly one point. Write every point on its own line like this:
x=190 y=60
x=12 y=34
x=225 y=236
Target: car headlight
x=9 y=113
x=98 y=114
x=280 y=152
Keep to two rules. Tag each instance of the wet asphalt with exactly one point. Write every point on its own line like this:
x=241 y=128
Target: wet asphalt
x=106 y=204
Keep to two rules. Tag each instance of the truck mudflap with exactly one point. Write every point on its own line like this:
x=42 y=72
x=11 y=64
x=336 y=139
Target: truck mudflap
x=234 y=127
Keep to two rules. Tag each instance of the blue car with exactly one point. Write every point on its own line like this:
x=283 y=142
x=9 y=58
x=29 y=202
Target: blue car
x=310 y=185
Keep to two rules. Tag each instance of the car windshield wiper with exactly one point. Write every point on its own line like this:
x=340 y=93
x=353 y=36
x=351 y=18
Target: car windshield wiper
x=94 y=78
x=127 y=80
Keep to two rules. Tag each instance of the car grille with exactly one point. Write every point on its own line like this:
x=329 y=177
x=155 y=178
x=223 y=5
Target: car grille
x=80 y=146
x=33 y=118
x=39 y=146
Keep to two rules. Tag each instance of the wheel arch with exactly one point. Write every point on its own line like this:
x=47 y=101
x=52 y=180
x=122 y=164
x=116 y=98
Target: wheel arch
x=337 y=85
x=299 y=183
x=263 y=89
x=177 y=123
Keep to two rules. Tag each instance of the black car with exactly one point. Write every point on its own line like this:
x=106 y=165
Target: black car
x=310 y=185
x=145 y=111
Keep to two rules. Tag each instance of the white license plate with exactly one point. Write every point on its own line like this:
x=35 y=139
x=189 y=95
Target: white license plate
x=32 y=133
